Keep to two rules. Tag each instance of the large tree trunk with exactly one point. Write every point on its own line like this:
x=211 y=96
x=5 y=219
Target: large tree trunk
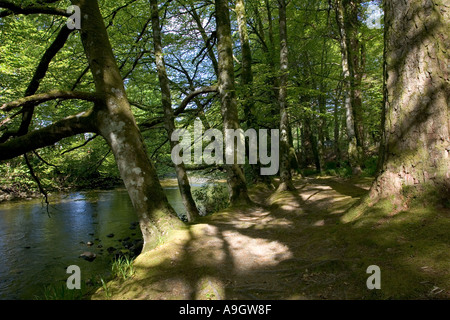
x=237 y=185
x=416 y=143
x=285 y=164
x=166 y=99
x=117 y=125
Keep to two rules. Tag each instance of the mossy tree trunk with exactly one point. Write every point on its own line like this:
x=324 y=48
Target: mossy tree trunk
x=285 y=146
x=116 y=123
x=166 y=99
x=354 y=150
x=237 y=185
x=416 y=143
x=247 y=83
x=356 y=59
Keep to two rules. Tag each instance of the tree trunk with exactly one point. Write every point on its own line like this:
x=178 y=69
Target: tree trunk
x=117 y=125
x=236 y=180
x=416 y=143
x=247 y=84
x=356 y=68
x=336 y=134
x=166 y=99
x=353 y=152
x=285 y=164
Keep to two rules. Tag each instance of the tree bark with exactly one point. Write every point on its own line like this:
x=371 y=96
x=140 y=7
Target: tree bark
x=166 y=99
x=285 y=164
x=247 y=83
x=356 y=68
x=117 y=125
x=353 y=152
x=36 y=139
x=416 y=141
x=12 y=8
x=237 y=185
x=336 y=135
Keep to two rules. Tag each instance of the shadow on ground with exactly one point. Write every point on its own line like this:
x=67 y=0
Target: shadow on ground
x=296 y=246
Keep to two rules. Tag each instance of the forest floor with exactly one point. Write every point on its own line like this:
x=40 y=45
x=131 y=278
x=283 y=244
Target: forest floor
x=300 y=245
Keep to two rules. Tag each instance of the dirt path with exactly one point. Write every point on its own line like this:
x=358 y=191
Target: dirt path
x=289 y=246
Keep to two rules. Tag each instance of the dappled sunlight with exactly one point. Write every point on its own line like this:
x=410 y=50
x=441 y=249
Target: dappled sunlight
x=267 y=252
x=252 y=253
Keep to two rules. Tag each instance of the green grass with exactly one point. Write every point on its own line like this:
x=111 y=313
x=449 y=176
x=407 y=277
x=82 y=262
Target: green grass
x=61 y=292
x=106 y=288
x=123 y=268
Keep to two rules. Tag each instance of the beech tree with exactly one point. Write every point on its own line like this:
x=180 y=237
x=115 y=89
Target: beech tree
x=110 y=117
x=285 y=164
x=416 y=140
x=346 y=17
x=182 y=177
x=236 y=179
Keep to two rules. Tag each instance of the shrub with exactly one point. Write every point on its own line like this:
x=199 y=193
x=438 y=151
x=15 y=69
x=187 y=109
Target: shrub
x=211 y=198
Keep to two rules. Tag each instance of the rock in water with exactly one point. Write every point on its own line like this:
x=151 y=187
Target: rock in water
x=89 y=256
x=111 y=249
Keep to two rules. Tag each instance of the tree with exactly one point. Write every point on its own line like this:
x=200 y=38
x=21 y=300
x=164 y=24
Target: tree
x=416 y=140
x=285 y=163
x=246 y=78
x=237 y=185
x=111 y=117
x=166 y=99
x=347 y=44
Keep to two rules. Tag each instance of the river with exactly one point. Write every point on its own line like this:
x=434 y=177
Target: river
x=36 y=247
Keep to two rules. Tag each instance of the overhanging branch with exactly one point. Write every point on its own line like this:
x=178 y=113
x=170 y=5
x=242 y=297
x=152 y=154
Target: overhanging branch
x=52 y=95
x=12 y=8
x=67 y=127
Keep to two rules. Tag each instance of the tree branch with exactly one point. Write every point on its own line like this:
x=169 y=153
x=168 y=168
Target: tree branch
x=38 y=182
x=12 y=8
x=181 y=108
x=33 y=86
x=64 y=128
x=80 y=146
x=192 y=95
x=52 y=95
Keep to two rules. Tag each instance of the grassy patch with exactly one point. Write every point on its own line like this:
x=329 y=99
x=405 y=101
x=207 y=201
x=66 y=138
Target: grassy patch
x=122 y=267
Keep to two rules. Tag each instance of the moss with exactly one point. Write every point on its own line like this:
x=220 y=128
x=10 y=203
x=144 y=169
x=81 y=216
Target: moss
x=426 y=194
x=205 y=260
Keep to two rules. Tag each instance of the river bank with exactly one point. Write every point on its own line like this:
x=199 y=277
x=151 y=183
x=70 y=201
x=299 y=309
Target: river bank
x=88 y=228
x=18 y=192
x=300 y=245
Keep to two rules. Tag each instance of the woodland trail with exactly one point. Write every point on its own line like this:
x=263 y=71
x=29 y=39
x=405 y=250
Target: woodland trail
x=288 y=246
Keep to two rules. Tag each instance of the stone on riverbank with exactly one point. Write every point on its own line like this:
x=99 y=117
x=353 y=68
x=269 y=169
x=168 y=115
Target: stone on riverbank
x=88 y=256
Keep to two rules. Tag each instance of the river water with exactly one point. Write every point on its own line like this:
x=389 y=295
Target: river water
x=36 y=247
